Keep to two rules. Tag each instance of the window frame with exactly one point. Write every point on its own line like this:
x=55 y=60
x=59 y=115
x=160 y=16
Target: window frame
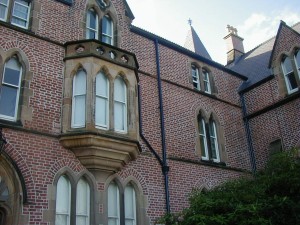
x=107 y=102
x=209 y=139
x=3 y=83
x=68 y=214
x=124 y=106
x=73 y=124
x=287 y=73
x=6 y=11
x=110 y=22
x=206 y=82
x=121 y=205
x=89 y=28
x=19 y=18
x=196 y=77
x=73 y=185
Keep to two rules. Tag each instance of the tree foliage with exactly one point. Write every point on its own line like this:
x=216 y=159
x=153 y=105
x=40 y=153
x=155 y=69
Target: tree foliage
x=272 y=197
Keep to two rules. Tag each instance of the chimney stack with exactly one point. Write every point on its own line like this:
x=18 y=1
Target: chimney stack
x=235 y=47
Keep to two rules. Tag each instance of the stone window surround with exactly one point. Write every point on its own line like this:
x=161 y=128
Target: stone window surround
x=111 y=12
x=219 y=131
x=278 y=71
x=141 y=199
x=24 y=111
x=200 y=67
x=50 y=213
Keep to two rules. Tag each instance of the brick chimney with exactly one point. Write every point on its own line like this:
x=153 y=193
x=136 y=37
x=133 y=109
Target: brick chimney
x=235 y=47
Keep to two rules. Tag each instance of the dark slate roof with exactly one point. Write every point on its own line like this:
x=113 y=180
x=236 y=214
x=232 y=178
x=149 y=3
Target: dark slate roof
x=255 y=63
x=194 y=44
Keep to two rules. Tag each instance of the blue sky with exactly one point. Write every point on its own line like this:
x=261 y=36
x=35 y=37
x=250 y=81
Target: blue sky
x=256 y=20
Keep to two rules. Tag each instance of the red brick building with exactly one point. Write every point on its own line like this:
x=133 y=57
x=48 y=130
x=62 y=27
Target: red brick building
x=107 y=123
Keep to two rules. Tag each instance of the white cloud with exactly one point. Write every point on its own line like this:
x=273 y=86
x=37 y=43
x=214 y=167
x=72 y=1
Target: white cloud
x=260 y=27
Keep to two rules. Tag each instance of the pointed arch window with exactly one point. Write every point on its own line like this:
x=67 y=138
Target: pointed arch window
x=289 y=75
x=116 y=205
x=120 y=105
x=83 y=203
x=208 y=139
x=79 y=99
x=63 y=201
x=92 y=24
x=102 y=101
x=107 y=30
x=10 y=89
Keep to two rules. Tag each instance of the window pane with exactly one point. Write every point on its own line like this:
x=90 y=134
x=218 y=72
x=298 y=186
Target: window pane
x=297 y=57
x=63 y=198
x=82 y=203
x=79 y=110
x=61 y=220
x=20 y=13
x=195 y=75
x=119 y=115
x=12 y=72
x=101 y=111
x=203 y=146
x=80 y=83
x=113 y=204
x=292 y=81
x=130 y=209
x=120 y=90
x=287 y=65
x=112 y=221
x=107 y=30
x=3 y=9
x=101 y=85
x=92 y=19
x=8 y=101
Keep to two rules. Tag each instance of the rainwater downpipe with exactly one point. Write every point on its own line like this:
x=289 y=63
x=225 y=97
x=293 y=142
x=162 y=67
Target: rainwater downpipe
x=162 y=162
x=165 y=167
x=248 y=134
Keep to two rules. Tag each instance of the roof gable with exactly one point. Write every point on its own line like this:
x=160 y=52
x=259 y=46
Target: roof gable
x=286 y=38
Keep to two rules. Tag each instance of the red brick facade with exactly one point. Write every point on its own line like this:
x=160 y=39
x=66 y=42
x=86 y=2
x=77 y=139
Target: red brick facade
x=36 y=157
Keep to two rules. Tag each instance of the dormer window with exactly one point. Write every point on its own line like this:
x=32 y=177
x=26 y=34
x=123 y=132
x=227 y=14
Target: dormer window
x=289 y=74
x=16 y=12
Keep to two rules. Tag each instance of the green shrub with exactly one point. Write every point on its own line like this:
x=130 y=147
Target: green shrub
x=272 y=197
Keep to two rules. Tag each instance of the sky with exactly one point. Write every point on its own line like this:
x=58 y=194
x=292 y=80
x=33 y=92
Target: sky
x=255 y=20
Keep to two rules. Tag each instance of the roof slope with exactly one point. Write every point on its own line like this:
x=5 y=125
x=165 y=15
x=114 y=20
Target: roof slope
x=255 y=63
x=194 y=44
